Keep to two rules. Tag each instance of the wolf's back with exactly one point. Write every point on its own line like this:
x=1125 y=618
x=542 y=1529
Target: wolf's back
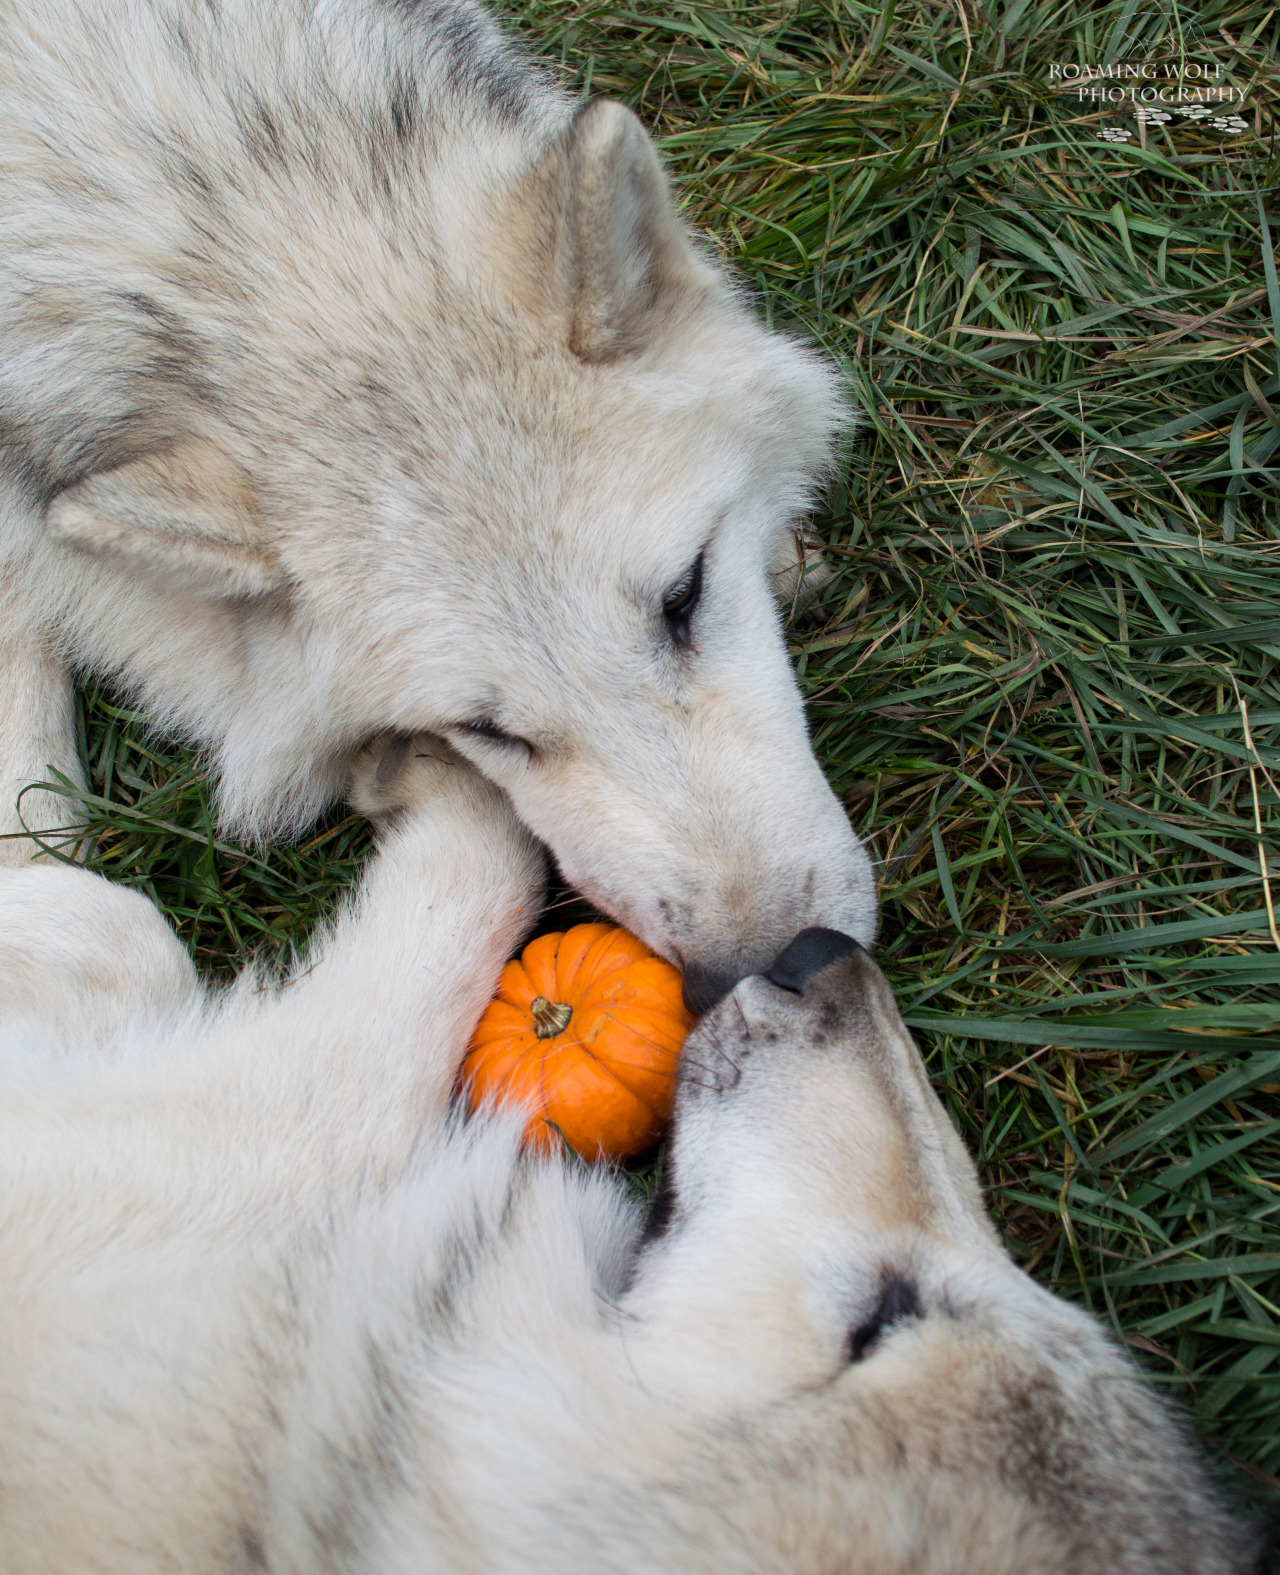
x=174 y=177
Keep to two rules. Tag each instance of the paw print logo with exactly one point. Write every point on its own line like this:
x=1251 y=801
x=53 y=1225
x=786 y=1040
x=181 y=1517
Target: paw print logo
x=1153 y=117
x=1115 y=134
x=1232 y=125
x=1194 y=111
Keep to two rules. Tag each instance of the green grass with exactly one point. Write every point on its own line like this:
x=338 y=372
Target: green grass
x=1058 y=590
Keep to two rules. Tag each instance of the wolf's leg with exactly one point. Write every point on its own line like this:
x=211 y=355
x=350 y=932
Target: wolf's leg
x=82 y=956
x=36 y=731
x=361 y=1049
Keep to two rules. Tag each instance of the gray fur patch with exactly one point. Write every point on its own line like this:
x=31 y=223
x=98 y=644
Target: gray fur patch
x=389 y=766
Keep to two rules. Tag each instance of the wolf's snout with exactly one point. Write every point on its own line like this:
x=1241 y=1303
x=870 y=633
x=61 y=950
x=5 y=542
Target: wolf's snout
x=814 y=949
x=810 y=952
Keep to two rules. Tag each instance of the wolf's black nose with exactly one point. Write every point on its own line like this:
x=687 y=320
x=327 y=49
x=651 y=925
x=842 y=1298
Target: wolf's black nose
x=810 y=952
x=704 y=986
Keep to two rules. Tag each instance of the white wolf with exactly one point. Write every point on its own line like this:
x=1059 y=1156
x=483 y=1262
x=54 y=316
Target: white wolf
x=351 y=381
x=265 y=1306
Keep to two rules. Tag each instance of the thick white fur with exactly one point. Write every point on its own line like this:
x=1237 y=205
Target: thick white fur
x=266 y=1306
x=350 y=382
x=157 y=1145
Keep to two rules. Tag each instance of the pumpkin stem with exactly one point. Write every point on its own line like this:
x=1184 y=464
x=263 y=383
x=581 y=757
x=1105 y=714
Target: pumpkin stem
x=549 y=1017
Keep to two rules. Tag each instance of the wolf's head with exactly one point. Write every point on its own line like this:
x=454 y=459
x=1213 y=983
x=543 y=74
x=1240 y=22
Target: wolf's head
x=886 y=1391
x=452 y=428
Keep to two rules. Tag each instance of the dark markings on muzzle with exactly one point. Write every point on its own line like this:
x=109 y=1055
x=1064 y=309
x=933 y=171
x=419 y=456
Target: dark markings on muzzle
x=810 y=952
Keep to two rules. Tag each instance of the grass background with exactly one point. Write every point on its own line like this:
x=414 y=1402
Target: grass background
x=1045 y=677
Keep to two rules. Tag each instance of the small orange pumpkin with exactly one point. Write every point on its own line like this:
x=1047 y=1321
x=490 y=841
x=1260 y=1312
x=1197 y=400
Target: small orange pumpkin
x=584 y=1033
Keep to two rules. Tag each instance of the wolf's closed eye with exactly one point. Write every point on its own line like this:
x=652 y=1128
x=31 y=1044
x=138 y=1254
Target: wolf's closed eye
x=482 y=727
x=680 y=601
x=898 y=1302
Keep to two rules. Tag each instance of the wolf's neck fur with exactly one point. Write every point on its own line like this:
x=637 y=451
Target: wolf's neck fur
x=493 y=1361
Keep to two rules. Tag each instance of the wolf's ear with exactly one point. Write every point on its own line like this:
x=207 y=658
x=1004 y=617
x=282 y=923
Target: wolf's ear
x=590 y=237
x=187 y=515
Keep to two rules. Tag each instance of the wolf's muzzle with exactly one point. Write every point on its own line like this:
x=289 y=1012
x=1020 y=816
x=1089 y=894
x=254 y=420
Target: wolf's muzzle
x=809 y=953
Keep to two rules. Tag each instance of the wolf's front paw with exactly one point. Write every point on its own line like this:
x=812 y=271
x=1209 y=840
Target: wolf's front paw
x=395 y=772
x=434 y=812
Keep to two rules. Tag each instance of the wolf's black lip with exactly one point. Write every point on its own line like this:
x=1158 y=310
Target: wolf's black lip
x=810 y=952
x=705 y=987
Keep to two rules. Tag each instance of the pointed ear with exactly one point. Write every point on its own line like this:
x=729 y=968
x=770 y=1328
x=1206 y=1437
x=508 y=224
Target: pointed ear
x=187 y=515
x=590 y=238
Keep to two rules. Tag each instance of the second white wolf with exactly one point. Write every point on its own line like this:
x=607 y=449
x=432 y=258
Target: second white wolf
x=267 y=1309
x=352 y=380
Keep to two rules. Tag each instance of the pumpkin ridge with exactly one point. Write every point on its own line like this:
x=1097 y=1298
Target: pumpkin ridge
x=604 y=1066
x=615 y=941
x=662 y=1026
x=621 y=1010
x=657 y=1046
x=539 y=961
x=654 y=1032
x=569 y=1120
x=574 y=947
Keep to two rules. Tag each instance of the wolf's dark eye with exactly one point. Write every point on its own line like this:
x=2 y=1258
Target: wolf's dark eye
x=898 y=1302
x=680 y=601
